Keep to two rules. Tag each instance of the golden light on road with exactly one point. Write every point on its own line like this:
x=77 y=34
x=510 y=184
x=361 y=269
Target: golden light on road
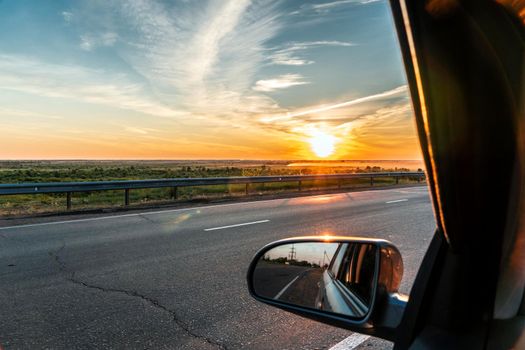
x=322 y=144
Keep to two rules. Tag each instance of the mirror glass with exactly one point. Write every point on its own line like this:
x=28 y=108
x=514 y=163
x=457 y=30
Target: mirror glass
x=335 y=277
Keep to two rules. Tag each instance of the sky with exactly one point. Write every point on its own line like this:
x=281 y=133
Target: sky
x=311 y=252
x=217 y=79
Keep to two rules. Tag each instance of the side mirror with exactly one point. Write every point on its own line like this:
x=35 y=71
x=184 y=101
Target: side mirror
x=344 y=281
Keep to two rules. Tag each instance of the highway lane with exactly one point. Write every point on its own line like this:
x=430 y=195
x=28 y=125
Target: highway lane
x=165 y=280
x=273 y=279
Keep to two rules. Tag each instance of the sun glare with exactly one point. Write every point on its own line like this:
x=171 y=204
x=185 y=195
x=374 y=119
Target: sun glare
x=322 y=144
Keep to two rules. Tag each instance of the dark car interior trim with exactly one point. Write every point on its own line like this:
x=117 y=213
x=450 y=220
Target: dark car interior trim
x=464 y=63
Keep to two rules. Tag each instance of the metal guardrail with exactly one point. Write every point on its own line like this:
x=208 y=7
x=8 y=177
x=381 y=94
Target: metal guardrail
x=126 y=186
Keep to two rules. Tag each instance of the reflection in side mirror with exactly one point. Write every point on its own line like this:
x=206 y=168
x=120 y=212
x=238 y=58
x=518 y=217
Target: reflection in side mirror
x=335 y=277
x=347 y=282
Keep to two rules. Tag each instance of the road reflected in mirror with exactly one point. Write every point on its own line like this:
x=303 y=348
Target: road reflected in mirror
x=329 y=276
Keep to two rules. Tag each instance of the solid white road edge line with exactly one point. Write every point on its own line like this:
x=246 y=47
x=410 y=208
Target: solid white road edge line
x=236 y=225
x=167 y=211
x=286 y=287
x=351 y=342
x=397 y=201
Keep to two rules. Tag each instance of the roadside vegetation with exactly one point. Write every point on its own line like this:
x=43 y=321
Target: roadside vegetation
x=68 y=171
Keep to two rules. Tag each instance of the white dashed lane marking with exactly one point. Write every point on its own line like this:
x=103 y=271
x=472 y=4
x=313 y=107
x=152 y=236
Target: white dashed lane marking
x=351 y=342
x=236 y=225
x=397 y=201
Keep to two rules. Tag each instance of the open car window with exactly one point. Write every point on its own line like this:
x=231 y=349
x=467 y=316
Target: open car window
x=147 y=149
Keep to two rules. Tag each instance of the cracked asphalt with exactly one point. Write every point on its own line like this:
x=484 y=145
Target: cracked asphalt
x=152 y=302
x=158 y=280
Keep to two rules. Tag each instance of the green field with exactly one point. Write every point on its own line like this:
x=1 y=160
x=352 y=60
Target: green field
x=64 y=171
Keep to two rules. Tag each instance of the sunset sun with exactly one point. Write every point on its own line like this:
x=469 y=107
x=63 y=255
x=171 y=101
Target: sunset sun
x=322 y=144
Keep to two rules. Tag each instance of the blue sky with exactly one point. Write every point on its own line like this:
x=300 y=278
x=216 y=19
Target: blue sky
x=201 y=79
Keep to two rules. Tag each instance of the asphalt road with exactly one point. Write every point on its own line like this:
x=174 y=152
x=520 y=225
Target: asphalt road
x=176 y=278
x=270 y=279
x=297 y=285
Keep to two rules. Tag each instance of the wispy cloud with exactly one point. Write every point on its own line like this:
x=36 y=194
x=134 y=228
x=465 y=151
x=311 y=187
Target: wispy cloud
x=205 y=58
x=359 y=123
x=80 y=83
x=68 y=16
x=12 y=112
x=221 y=70
x=205 y=62
x=282 y=82
x=139 y=130
x=294 y=46
x=289 y=59
x=89 y=42
x=288 y=55
x=328 y=6
x=202 y=60
x=400 y=90
x=366 y=126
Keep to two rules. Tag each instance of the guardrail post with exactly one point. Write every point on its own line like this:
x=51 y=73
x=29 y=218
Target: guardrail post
x=397 y=180
x=68 y=200
x=339 y=183
x=371 y=181
x=174 y=192
x=299 y=187
x=126 y=197
x=246 y=189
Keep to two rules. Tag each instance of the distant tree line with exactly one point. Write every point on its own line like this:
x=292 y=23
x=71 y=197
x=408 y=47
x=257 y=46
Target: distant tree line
x=285 y=261
x=13 y=172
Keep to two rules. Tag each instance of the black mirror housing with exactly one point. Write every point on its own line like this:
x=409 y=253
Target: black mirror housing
x=384 y=305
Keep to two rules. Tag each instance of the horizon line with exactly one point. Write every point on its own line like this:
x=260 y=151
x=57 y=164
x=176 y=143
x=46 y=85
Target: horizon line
x=200 y=159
